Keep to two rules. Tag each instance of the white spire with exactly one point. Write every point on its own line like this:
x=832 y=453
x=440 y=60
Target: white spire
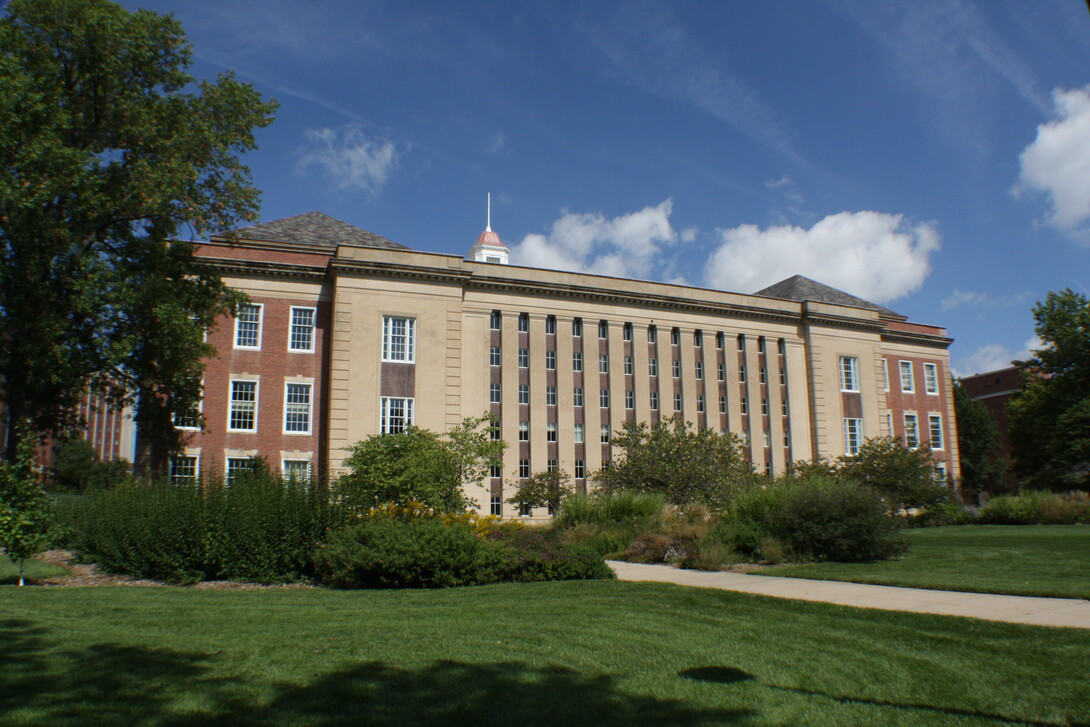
x=489 y=247
x=488 y=223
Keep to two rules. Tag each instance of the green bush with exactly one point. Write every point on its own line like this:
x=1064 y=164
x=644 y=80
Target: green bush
x=603 y=508
x=1036 y=508
x=812 y=518
x=540 y=555
x=943 y=513
x=609 y=540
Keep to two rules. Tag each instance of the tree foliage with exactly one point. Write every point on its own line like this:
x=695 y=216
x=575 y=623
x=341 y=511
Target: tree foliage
x=107 y=151
x=543 y=489
x=905 y=477
x=417 y=465
x=77 y=467
x=1050 y=417
x=978 y=444
x=676 y=460
x=25 y=516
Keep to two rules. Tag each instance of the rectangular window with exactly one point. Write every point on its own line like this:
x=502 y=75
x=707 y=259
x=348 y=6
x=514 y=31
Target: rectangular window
x=550 y=431
x=183 y=470
x=677 y=402
x=552 y=465
x=524 y=468
x=786 y=438
x=700 y=403
x=301 y=338
x=721 y=372
x=912 y=431
x=495 y=505
x=652 y=334
x=885 y=374
x=603 y=363
x=630 y=399
x=580 y=469
x=699 y=370
x=654 y=401
x=550 y=360
x=295 y=470
x=578 y=433
x=698 y=339
x=744 y=403
x=524 y=358
x=577 y=396
x=495 y=429
x=189 y=419
x=628 y=331
x=652 y=367
x=628 y=365
x=783 y=407
x=604 y=434
x=676 y=368
x=762 y=375
x=722 y=405
x=398 y=339
x=675 y=336
x=853 y=436
x=907 y=384
x=931 y=378
x=742 y=374
x=783 y=376
x=248 y=326
x=935 y=422
x=764 y=406
x=524 y=393
x=397 y=413
x=495 y=470
x=297 y=408
x=243 y=410
x=577 y=362
x=849 y=373
x=719 y=340
x=577 y=327
x=550 y=325
x=550 y=396
x=494 y=356
x=741 y=342
x=524 y=322
x=761 y=344
x=494 y=320
x=889 y=423
x=524 y=431
x=603 y=398
x=236 y=466
x=940 y=473
x=603 y=329
x=494 y=394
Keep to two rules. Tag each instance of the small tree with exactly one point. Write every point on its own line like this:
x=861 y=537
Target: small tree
x=474 y=449
x=904 y=477
x=77 y=467
x=543 y=489
x=676 y=460
x=24 y=509
x=978 y=444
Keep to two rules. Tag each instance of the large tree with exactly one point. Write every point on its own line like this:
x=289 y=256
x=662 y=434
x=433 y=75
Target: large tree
x=108 y=151
x=1050 y=417
x=978 y=444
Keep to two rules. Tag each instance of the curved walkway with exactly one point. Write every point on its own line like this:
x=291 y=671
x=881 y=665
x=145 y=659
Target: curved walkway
x=1069 y=612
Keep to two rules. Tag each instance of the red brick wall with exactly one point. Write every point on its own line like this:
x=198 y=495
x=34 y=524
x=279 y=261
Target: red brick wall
x=919 y=401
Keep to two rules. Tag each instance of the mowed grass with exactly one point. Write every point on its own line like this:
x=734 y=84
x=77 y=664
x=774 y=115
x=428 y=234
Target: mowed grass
x=526 y=655
x=32 y=570
x=1025 y=560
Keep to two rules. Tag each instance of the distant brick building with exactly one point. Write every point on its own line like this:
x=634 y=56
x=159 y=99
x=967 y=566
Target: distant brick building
x=994 y=389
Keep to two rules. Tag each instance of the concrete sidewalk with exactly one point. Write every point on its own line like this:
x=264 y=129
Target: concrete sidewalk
x=1069 y=612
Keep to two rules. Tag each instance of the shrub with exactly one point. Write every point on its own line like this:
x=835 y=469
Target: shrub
x=814 y=518
x=541 y=556
x=904 y=477
x=1035 y=507
x=943 y=513
x=648 y=548
x=77 y=467
x=609 y=540
x=603 y=508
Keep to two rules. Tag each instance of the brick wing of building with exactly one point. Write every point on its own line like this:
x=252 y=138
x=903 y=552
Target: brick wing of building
x=349 y=335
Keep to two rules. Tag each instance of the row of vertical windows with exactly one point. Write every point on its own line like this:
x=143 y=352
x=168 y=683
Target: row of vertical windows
x=186 y=469
x=242 y=408
x=300 y=333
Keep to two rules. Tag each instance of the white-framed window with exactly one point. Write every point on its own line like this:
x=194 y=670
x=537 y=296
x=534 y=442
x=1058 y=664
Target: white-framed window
x=652 y=334
x=550 y=431
x=398 y=339
x=524 y=431
x=675 y=336
x=654 y=401
x=700 y=403
x=495 y=356
x=603 y=329
x=524 y=469
x=934 y=422
x=762 y=375
x=550 y=325
x=580 y=469
x=577 y=361
x=628 y=331
x=494 y=394
x=721 y=372
x=494 y=320
x=677 y=402
x=783 y=375
x=495 y=430
x=629 y=399
x=764 y=405
x=786 y=438
x=603 y=398
x=652 y=367
x=297 y=407
x=295 y=469
x=236 y=466
x=524 y=322
x=242 y=413
x=190 y=419
x=849 y=373
x=550 y=396
x=699 y=370
x=578 y=434
x=628 y=365
x=675 y=368
x=931 y=378
x=184 y=469
x=577 y=396
x=550 y=360
x=853 y=436
x=397 y=413
x=524 y=393
x=743 y=402
x=885 y=374
x=889 y=422
x=524 y=358
x=722 y=405
x=604 y=434
x=248 y=326
x=495 y=505
x=741 y=374
x=301 y=335
x=907 y=384
x=577 y=327
x=912 y=431
x=603 y=363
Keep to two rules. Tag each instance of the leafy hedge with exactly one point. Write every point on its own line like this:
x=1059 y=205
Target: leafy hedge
x=1036 y=508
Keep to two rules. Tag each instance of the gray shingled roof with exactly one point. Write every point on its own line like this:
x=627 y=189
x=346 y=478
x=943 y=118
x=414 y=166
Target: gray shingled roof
x=315 y=228
x=800 y=288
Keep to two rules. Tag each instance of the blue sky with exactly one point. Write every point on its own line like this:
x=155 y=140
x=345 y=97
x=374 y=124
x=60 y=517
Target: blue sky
x=932 y=156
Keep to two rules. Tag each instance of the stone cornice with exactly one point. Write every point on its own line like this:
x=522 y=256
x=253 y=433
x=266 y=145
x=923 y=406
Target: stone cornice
x=264 y=269
x=917 y=339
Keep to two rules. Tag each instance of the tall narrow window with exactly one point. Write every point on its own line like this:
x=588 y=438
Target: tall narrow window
x=935 y=425
x=603 y=329
x=853 y=436
x=524 y=322
x=397 y=413
x=721 y=372
x=577 y=327
x=494 y=356
x=742 y=374
x=297 y=408
x=677 y=402
x=699 y=370
x=603 y=398
x=580 y=469
x=495 y=505
x=550 y=360
x=301 y=338
x=743 y=402
x=907 y=384
x=524 y=431
x=629 y=399
x=524 y=470
x=741 y=342
x=248 y=326
x=652 y=334
x=398 y=339
x=628 y=331
x=605 y=434
x=700 y=403
x=885 y=374
x=524 y=358
x=722 y=405
x=931 y=378
x=653 y=367
x=550 y=396
x=676 y=368
x=577 y=361
x=912 y=431
x=577 y=396
x=578 y=434
x=627 y=365
x=764 y=406
x=550 y=325
x=719 y=339
x=494 y=394
x=603 y=363
x=494 y=320
x=550 y=431
x=849 y=373
x=654 y=401
x=524 y=393
x=675 y=336
x=698 y=338
x=243 y=412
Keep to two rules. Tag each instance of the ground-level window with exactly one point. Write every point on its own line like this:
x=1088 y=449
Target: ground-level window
x=397 y=413
x=236 y=466
x=495 y=505
x=297 y=408
x=853 y=436
x=243 y=410
x=297 y=470
x=912 y=431
x=184 y=470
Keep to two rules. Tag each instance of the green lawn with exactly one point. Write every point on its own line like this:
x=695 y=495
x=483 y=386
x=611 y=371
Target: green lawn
x=1026 y=560
x=574 y=653
x=33 y=569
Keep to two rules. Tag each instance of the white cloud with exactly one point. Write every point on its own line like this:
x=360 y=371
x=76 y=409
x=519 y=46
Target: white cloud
x=994 y=357
x=347 y=158
x=983 y=300
x=625 y=246
x=876 y=256
x=1057 y=163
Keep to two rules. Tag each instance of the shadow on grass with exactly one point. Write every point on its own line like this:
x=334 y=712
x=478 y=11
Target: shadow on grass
x=44 y=682
x=732 y=675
